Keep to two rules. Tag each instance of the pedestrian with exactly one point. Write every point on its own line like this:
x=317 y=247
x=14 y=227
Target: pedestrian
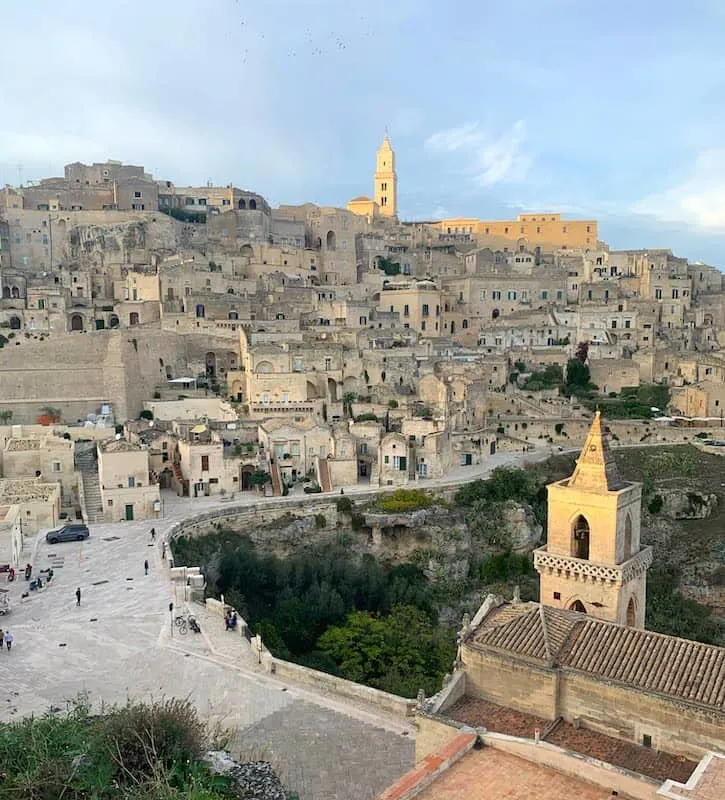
x=163 y=550
x=2 y=638
x=8 y=640
x=153 y=534
x=146 y=566
x=78 y=596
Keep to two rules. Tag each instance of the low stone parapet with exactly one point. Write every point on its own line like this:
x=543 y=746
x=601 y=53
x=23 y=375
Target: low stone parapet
x=330 y=684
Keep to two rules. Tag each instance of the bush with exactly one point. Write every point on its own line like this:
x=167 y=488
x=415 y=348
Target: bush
x=655 y=504
x=403 y=500
x=392 y=404
x=367 y=417
x=558 y=428
x=505 y=566
x=320 y=520
x=313 y=488
x=344 y=506
x=146 y=414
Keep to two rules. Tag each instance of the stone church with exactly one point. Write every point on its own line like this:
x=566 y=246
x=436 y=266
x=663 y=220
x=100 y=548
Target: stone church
x=578 y=669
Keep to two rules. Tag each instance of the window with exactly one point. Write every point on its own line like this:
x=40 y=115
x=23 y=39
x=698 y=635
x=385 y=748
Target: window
x=56 y=466
x=386 y=459
x=483 y=294
x=285 y=397
x=465 y=323
x=406 y=310
x=544 y=295
x=202 y=201
x=557 y=595
x=298 y=365
x=675 y=294
x=425 y=309
x=646 y=740
x=110 y=503
x=189 y=201
x=512 y=295
x=131 y=482
x=41 y=304
x=328 y=363
x=658 y=294
x=589 y=229
x=205 y=463
x=363 y=448
x=225 y=201
x=495 y=295
x=137 y=194
x=295 y=449
x=559 y=295
x=627 y=323
x=422 y=325
x=614 y=323
x=400 y=463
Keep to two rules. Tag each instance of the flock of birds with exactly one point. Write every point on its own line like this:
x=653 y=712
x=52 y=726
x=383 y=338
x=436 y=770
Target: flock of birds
x=310 y=44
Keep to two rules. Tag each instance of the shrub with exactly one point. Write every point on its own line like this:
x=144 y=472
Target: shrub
x=403 y=500
x=367 y=417
x=146 y=414
x=344 y=506
x=320 y=520
x=558 y=428
x=655 y=504
x=392 y=404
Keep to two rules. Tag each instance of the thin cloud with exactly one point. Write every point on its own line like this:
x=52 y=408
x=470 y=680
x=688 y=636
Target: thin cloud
x=488 y=159
x=698 y=201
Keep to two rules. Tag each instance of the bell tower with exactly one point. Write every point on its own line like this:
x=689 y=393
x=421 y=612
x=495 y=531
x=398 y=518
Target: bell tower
x=592 y=561
x=386 y=181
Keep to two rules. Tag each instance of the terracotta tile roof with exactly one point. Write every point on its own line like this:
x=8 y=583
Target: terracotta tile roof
x=678 y=668
x=480 y=713
x=528 y=629
x=652 y=661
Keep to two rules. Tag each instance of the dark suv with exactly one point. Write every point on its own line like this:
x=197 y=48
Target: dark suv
x=68 y=533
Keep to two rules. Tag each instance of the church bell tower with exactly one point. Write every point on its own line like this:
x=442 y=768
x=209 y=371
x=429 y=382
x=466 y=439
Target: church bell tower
x=592 y=561
x=386 y=181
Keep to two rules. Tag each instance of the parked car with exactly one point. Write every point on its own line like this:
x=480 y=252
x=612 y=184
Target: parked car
x=68 y=533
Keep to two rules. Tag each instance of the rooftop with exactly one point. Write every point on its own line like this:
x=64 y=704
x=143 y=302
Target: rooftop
x=19 y=445
x=595 y=468
x=677 y=668
x=118 y=446
x=499 y=719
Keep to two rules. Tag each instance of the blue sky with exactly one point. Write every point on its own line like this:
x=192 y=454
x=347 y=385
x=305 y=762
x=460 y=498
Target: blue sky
x=607 y=110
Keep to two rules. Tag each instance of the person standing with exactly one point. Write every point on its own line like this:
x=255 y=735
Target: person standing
x=2 y=638
x=78 y=596
x=153 y=534
x=146 y=567
x=8 y=640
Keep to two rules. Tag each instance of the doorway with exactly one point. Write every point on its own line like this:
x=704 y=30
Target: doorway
x=129 y=512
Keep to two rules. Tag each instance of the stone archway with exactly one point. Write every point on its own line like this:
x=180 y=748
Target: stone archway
x=210 y=360
x=76 y=322
x=15 y=323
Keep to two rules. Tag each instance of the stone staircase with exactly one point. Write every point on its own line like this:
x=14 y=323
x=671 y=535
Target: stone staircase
x=87 y=465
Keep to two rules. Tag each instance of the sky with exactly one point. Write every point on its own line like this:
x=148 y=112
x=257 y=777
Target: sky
x=599 y=109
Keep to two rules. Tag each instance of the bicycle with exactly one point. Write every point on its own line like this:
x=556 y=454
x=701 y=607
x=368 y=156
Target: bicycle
x=181 y=624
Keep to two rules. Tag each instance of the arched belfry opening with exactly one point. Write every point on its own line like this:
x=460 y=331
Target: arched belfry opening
x=631 y=613
x=577 y=605
x=580 y=538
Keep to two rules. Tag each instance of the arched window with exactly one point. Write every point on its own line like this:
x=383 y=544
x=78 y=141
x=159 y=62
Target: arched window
x=265 y=367
x=113 y=321
x=15 y=292
x=233 y=315
x=631 y=613
x=242 y=204
x=252 y=205
x=133 y=318
x=580 y=538
x=627 y=538
x=495 y=314
x=577 y=605
x=331 y=240
x=15 y=323
x=76 y=322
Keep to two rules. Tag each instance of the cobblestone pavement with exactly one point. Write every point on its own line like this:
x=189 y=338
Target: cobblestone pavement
x=118 y=644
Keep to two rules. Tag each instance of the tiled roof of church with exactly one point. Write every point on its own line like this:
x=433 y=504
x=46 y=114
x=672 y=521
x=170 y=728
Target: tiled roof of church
x=652 y=662
x=528 y=629
x=596 y=469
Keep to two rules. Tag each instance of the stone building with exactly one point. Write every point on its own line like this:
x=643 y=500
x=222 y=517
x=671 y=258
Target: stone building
x=11 y=535
x=48 y=456
x=128 y=490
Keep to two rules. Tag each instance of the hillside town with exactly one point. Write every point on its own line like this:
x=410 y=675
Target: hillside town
x=238 y=347
x=180 y=359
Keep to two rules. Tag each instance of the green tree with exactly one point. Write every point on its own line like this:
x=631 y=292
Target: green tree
x=578 y=378
x=5 y=416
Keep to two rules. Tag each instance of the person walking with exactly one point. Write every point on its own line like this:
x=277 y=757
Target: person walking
x=153 y=534
x=146 y=566
x=8 y=640
x=78 y=596
x=163 y=550
x=2 y=638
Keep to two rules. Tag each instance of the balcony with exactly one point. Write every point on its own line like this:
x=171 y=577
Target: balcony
x=581 y=569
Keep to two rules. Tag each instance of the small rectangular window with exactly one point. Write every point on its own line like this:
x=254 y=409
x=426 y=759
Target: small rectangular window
x=557 y=595
x=646 y=740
